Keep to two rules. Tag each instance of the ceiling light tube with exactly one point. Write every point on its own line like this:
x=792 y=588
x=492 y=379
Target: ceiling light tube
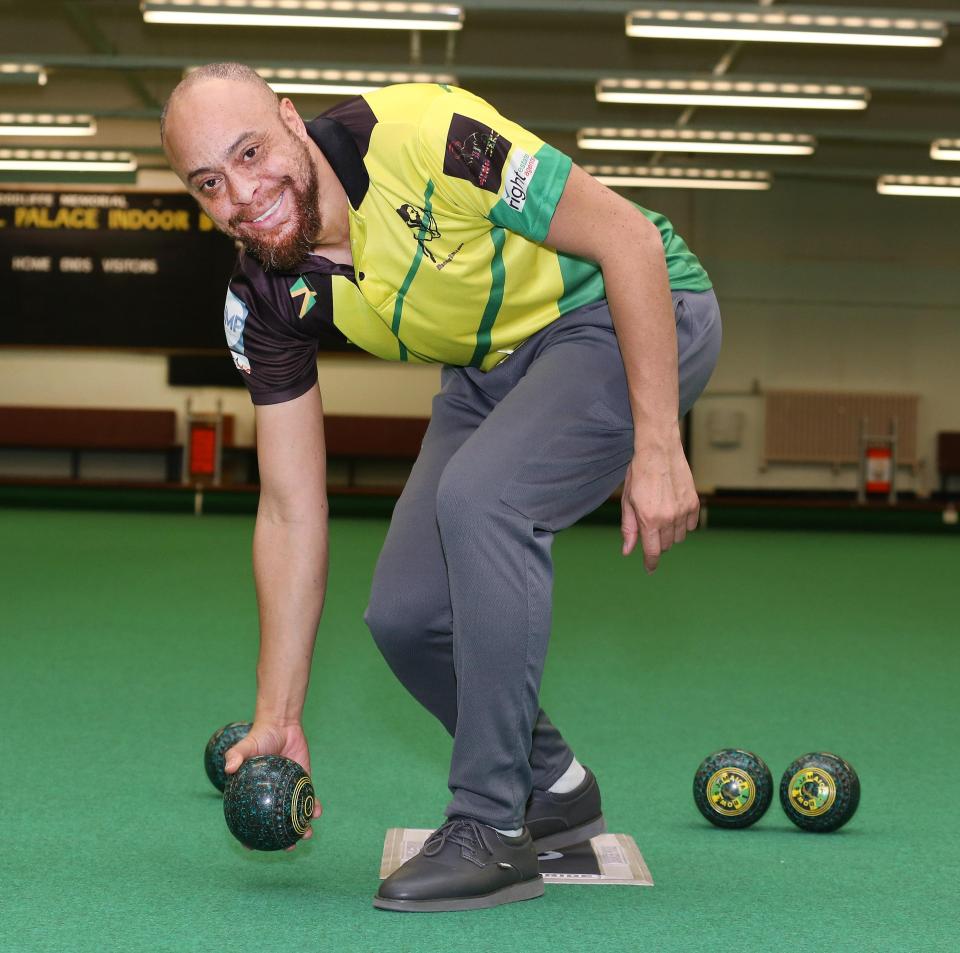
x=349 y=14
x=697 y=140
x=22 y=73
x=329 y=82
x=624 y=176
x=743 y=23
x=943 y=186
x=66 y=160
x=730 y=92
x=948 y=149
x=46 y=124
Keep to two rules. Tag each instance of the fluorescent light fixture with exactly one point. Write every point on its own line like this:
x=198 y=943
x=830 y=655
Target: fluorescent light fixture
x=742 y=22
x=22 y=73
x=625 y=176
x=944 y=186
x=731 y=92
x=948 y=149
x=351 y=14
x=331 y=82
x=697 y=140
x=66 y=160
x=46 y=124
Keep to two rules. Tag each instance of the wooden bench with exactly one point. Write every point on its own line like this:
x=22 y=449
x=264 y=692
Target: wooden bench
x=353 y=440
x=81 y=430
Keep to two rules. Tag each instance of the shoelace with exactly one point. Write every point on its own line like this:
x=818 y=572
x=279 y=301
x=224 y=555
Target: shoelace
x=463 y=831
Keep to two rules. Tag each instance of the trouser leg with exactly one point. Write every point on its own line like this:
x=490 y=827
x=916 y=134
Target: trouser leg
x=409 y=613
x=554 y=448
x=554 y=440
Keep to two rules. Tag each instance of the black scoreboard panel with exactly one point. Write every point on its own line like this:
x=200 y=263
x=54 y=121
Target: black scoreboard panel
x=111 y=269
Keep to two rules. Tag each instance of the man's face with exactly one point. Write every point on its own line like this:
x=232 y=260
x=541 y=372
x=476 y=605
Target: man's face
x=250 y=171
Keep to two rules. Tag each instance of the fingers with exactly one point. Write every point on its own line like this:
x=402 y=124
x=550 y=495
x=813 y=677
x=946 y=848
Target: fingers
x=652 y=547
x=628 y=527
x=657 y=531
x=235 y=756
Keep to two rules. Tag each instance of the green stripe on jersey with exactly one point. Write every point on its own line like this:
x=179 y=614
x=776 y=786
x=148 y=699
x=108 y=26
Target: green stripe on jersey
x=497 y=278
x=582 y=282
x=412 y=271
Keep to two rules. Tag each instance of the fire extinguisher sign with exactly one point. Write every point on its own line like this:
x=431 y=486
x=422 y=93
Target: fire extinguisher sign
x=879 y=469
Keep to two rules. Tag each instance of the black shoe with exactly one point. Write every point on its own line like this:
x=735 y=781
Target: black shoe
x=560 y=820
x=464 y=865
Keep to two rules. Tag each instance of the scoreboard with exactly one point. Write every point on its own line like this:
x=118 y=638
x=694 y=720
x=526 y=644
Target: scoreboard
x=111 y=269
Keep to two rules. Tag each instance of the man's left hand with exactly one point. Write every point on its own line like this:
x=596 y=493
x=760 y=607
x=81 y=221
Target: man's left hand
x=659 y=503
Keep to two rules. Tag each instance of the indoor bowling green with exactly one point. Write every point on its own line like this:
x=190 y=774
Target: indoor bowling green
x=118 y=665
x=807 y=157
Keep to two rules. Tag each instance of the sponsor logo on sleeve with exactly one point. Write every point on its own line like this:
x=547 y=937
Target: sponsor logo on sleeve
x=308 y=297
x=516 y=183
x=476 y=153
x=243 y=363
x=234 y=319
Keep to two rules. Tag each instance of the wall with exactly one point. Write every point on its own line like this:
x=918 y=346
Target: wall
x=822 y=285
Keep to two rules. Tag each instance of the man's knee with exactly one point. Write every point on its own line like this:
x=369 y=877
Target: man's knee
x=466 y=499
x=401 y=617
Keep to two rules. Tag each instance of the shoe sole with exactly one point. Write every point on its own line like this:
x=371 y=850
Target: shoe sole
x=575 y=835
x=527 y=890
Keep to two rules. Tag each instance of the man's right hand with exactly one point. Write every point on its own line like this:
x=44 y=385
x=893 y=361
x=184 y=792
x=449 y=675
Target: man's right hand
x=288 y=741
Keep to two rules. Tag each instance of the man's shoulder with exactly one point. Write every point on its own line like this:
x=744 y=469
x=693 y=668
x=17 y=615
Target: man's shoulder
x=261 y=290
x=398 y=104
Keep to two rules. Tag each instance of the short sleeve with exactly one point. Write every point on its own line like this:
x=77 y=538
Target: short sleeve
x=276 y=362
x=484 y=163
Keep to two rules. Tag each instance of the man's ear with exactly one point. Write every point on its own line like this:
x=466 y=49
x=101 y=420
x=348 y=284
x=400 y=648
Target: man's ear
x=291 y=118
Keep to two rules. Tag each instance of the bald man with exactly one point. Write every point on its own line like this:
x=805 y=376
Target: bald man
x=574 y=329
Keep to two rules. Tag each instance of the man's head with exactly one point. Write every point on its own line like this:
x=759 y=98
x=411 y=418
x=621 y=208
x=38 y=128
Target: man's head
x=245 y=156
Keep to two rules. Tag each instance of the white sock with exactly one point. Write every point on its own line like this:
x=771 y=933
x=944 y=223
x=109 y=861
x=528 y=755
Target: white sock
x=509 y=833
x=571 y=778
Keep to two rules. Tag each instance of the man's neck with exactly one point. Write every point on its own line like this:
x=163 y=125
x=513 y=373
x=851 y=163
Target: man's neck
x=333 y=241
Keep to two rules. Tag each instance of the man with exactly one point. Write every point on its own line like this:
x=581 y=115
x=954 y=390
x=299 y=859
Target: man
x=423 y=226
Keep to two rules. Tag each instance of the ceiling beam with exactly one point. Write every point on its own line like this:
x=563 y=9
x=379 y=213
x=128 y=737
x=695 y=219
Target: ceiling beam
x=79 y=18
x=490 y=73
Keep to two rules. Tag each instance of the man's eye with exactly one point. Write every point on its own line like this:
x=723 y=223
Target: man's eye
x=208 y=185
x=251 y=152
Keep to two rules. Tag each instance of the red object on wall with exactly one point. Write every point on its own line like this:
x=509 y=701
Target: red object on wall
x=879 y=469
x=203 y=450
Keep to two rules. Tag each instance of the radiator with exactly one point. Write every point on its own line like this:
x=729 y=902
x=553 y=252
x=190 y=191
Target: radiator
x=824 y=427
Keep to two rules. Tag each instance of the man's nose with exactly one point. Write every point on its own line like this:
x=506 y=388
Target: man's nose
x=242 y=188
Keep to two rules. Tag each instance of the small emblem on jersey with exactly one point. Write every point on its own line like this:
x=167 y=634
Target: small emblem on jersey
x=234 y=318
x=422 y=224
x=516 y=183
x=308 y=297
x=475 y=153
x=243 y=364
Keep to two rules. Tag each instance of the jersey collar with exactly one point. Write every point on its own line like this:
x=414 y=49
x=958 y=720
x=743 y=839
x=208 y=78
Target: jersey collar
x=340 y=150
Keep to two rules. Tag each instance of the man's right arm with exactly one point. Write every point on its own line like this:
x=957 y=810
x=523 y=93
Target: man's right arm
x=290 y=568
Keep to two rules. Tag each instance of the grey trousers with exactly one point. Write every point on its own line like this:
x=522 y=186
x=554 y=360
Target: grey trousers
x=461 y=598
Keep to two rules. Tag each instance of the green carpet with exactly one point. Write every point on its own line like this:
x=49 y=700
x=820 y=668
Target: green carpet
x=128 y=638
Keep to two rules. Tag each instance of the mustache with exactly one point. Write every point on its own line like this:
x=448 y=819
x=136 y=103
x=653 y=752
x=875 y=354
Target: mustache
x=236 y=220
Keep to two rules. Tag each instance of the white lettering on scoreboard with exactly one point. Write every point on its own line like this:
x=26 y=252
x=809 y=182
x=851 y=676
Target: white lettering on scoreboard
x=84 y=266
x=30 y=263
x=76 y=266
x=130 y=266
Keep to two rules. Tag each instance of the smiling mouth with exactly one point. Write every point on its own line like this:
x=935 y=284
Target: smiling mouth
x=273 y=208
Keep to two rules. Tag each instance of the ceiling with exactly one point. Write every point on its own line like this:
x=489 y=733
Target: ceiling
x=536 y=60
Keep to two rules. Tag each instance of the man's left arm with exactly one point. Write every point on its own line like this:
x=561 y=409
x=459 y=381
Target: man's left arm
x=660 y=500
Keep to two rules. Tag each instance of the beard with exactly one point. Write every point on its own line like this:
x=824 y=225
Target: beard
x=285 y=252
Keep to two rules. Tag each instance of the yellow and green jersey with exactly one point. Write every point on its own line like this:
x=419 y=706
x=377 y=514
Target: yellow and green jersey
x=449 y=206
